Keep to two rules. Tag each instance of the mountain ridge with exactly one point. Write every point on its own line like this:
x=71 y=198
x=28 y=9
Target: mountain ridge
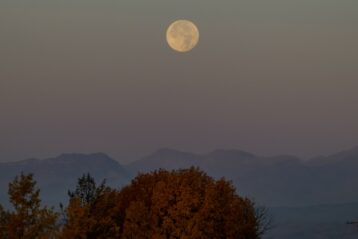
x=308 y=199
x=282 y=180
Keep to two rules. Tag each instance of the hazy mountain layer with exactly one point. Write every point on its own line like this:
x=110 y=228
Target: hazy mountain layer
x=275 y=181
x=285 y=183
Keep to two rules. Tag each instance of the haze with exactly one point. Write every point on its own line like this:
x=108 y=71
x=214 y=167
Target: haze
x=270 y=77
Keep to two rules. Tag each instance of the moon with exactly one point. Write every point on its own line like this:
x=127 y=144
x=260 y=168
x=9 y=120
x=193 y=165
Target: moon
x=182 y=35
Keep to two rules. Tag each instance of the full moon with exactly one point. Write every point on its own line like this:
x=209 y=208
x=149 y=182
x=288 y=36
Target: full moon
x=182 y=35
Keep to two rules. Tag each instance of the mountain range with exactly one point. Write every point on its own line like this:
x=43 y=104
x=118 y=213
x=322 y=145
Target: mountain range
x=282 y=180
x=284 y=183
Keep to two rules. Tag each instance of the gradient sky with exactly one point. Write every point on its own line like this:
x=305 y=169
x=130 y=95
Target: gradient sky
x=269 y=76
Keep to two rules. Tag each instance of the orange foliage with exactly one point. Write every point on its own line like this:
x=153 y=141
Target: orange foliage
x=29 y=220
x=163 y=204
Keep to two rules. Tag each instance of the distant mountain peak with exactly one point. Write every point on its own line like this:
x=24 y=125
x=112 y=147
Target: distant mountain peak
x=82 y=154
x=169 y=152
x=232 y=153
x=74 y=156
x=86 y=160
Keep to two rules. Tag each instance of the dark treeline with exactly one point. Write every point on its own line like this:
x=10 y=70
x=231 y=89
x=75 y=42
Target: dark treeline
x=162 y=204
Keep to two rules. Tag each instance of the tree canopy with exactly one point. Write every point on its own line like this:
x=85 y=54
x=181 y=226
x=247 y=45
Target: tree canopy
x=166 y=204
x=28 y=220
x=162 y=204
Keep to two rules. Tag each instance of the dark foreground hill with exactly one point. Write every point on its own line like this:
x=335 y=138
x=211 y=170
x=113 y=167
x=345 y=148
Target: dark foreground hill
x=285 y=183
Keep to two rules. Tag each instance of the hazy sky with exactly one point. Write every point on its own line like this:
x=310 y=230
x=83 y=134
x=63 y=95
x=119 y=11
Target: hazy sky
x=269 y=76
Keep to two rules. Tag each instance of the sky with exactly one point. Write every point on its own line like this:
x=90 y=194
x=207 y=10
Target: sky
x=270 y=77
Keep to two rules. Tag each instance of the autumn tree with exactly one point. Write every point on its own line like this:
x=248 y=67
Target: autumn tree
x=186 y=204
x=28 y=220
x=163 y=204
x=89 y=213
x=4 y=221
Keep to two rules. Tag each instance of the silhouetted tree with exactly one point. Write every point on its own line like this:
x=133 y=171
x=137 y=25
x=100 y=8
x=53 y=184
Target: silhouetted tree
x=264 y=220
x=86 y=190
x=89 y=212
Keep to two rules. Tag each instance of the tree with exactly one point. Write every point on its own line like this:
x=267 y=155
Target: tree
x=186 y=204
x=29 y=220
x=86 y=190
x=164 y=204
x=89 y=212
x=264 y=219
x=4 y=220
